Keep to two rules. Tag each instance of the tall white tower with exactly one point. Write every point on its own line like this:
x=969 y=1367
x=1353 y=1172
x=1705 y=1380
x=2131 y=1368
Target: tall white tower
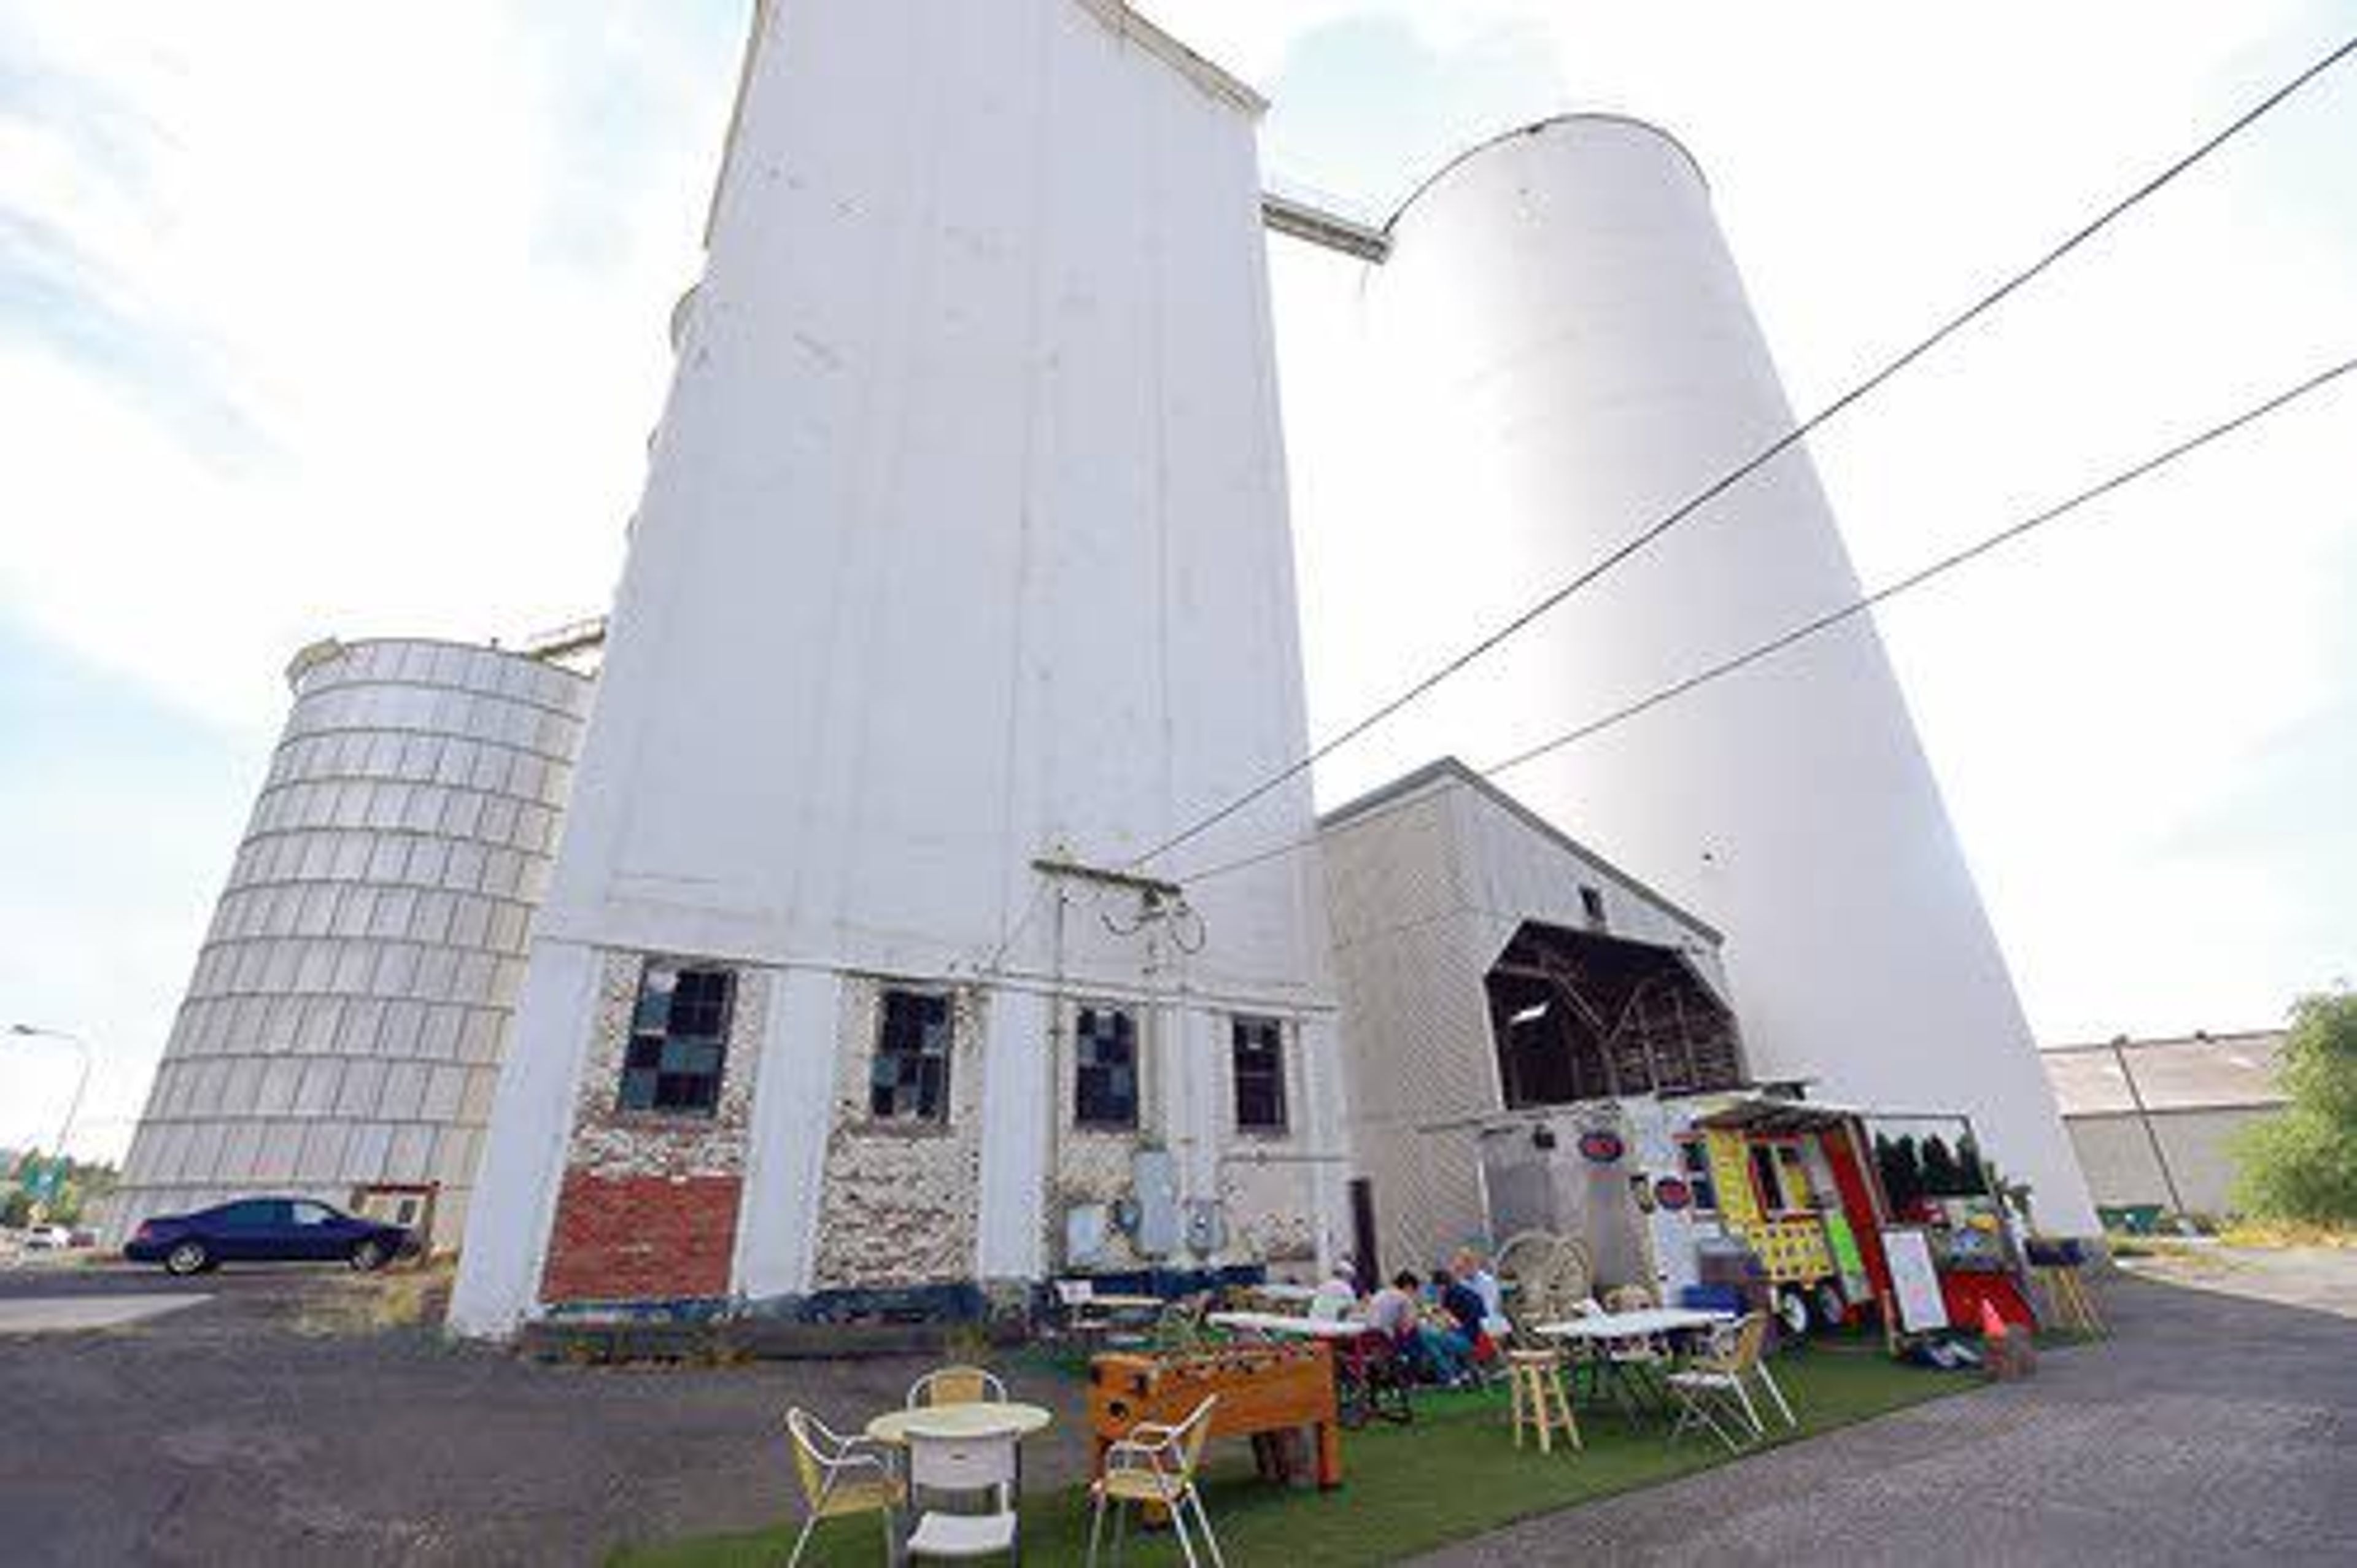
x=963 y=556
x=1565 y=353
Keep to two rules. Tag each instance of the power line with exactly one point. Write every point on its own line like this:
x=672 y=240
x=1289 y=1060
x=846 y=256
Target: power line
x=1849 y=611
x=1761 y=460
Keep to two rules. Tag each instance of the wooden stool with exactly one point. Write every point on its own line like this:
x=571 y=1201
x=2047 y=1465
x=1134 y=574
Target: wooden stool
x=2074 y=1306
x=1540 y=1402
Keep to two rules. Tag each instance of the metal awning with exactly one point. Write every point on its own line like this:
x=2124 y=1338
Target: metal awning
x=1761 y=1114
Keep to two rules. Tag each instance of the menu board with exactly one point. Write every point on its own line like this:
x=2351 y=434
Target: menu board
x=1914 y=1281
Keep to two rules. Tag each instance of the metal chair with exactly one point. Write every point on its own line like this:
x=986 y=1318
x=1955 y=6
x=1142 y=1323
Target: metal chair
x=1715 y=1386
x=963 y=1464
x=841 y=1477
x=1371 y=1380
x=956 y=1385
x=1155 y=1466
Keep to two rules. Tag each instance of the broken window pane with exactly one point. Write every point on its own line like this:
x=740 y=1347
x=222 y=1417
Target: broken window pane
x=679 y=1040
x=1259 y=1053
x=1105 y=1078
x=909 y=1079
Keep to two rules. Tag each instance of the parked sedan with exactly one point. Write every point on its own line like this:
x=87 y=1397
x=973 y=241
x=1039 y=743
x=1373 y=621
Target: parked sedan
x=265 y=1230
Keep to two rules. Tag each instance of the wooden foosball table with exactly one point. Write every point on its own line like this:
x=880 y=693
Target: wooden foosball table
x=1267 y=1392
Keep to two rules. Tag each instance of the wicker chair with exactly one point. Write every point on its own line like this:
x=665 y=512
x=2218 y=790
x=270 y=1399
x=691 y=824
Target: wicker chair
x=1713 y=1390
x=841 y=1477
x=1155 y=1466
x=956 y=1385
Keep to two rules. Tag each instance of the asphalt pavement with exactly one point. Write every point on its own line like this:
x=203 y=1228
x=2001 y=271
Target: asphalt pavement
x=258 y=1427
x=2213 y=1428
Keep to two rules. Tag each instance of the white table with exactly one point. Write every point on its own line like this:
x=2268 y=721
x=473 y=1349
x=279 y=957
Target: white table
x=1276 y=1291
x=950 y=1423
x=1643 y=1324
x=1633 y=1390
x=1281 y=1323
x=981 y=1420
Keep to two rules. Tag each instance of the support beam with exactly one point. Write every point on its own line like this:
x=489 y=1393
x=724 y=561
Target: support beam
x=1301 y=220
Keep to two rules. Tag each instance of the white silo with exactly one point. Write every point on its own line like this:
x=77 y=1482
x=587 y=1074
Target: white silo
x=1565 y=353
x=344 y=1026
x=962 y=577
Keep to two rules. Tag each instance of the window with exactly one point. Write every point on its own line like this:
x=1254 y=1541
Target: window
x=1591 y=902
x=911 y=1078
x=1793 y=1167
x=1259 y=1051
x=1782 y=1173
x=679 y=1040
x=1693 y=1157
x=1104 y=1089
x=311 y=1214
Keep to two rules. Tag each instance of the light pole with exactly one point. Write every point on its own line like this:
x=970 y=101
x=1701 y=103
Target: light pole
x=73 y=1106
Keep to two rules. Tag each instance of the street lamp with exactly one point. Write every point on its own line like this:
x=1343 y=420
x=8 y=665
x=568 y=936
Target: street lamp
x=80 y=1083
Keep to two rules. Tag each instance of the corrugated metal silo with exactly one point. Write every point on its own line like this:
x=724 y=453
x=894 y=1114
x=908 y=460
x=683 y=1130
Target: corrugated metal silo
x=345 y=1023
x=1567 y=353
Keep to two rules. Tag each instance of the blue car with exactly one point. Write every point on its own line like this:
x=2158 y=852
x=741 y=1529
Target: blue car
x=265 y=1230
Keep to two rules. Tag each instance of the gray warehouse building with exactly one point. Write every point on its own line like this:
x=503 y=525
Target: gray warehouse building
x=2153 y=1121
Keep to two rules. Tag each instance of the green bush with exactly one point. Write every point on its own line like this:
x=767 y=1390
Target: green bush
x=2300 y=1165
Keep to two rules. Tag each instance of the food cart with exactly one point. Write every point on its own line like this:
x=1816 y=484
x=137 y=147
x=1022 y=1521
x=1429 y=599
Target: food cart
x=1668 y=1190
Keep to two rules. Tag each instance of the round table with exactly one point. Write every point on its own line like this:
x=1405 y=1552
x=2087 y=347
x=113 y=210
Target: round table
x=951 y=1422
x=984 y=1418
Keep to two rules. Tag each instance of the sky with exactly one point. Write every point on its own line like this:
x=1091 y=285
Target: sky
x=310 y=327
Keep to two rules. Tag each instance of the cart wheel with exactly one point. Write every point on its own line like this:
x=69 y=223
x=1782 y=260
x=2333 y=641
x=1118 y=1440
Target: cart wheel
x=1832 y=1306
x=1793 y=1312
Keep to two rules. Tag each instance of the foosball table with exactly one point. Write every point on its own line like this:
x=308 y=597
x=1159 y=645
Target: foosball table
x=1267 y=1392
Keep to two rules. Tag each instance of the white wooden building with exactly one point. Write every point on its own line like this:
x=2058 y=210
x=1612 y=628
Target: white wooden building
x=1491 y=968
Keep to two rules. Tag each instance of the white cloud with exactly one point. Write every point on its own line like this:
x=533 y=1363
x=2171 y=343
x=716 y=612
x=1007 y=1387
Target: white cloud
x=364 y=329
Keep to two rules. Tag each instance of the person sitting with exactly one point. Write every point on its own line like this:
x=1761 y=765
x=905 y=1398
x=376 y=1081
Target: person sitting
x=1475 y=1272
x=1461 y=1328
x=1398 y=1313
x=1338 y=1295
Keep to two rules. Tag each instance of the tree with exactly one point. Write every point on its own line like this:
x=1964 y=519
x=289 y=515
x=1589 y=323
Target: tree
x=2300 y=1165
x=1939 y=1167
x=1971 y=1169
x=1902 y=1173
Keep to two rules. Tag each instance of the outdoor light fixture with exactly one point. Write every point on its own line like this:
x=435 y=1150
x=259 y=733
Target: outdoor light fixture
x=82 y=1083
x=1529 y=1014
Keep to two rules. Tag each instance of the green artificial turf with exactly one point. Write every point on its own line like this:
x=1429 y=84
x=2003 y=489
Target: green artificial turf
x=1451 y=1473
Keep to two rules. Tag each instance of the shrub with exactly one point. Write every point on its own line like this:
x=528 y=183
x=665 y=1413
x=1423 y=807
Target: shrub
x=2300 y=1165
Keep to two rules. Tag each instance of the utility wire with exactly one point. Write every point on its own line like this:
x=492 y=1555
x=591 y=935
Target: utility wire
x=1761 y=460
x=1845 y=612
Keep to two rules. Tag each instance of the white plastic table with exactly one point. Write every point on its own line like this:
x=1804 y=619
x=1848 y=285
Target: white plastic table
x=1286 y=1324
x=981 y=1420
x=1632 y=1390
x=948 y=1423
x=1643 y=1324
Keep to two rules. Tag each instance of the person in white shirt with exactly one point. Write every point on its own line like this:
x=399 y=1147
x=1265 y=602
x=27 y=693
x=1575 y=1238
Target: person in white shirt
x=1337 y=1297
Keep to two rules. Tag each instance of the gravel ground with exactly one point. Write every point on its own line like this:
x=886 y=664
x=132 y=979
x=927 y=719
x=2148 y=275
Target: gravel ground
x=2213 y=1428
x=2321 y=1278
x=246 y=1430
